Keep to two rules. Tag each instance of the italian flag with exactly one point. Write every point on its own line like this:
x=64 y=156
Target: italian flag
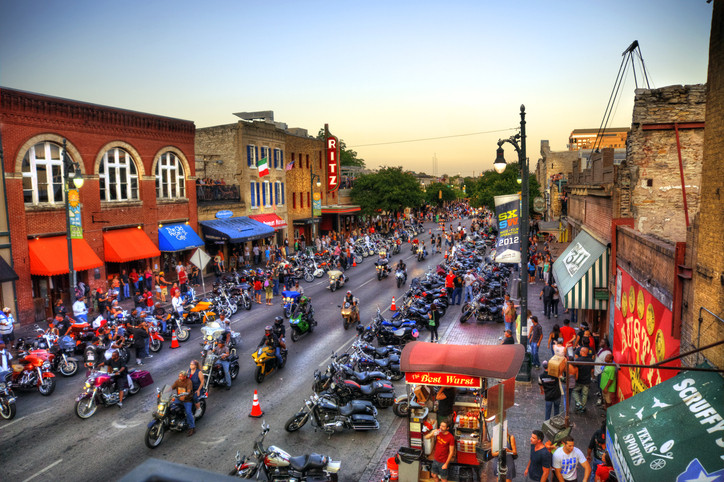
x=263 y=167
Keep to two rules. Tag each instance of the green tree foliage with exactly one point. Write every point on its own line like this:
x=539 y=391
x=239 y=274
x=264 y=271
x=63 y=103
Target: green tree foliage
x=433 y=196
x=390 y=189
x=347 y=157
x=482 y=190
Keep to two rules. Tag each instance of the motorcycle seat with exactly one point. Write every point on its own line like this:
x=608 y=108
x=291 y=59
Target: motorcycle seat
x=303 y=463
x=366 y=377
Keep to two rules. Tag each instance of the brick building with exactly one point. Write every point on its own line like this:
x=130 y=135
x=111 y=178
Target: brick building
x=139 y=176
x=614 y=137
x=307 y=154
x=552 y=173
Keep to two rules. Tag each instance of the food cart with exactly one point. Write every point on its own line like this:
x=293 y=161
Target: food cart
x=458 y=366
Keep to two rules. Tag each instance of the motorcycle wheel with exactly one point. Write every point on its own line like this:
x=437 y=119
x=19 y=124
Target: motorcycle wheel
x=47 y=387
x=7 y=410
x=401 y=409
x=85 y=408
x=247 y=304
x=287 y=312
x=308 y=277
x=134 y=388
x=155 y=345
x=365 y=254
x=346 y=322
x=234 y=371
x=202 y=408
x=296 y=422
x=68 y=369
x=333 y=287
x=234 y=308
x=319 y=274
x=379 y=276
x=465 y=316
x=399 y=282
x=358 y=259
x=259 y=375
x=154 y=435
x=295 y=335
x=183 y=335
x=443 y=310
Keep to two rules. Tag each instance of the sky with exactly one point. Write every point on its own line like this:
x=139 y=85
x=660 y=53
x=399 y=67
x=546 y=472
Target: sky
x=378 y=72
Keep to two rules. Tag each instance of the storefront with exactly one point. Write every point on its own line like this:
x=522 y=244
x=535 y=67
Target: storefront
x=129 y=248
x=339 y=218
x=176 y=242
x=671 y=432
x=581 y=273
x=49 y=270
x=306 y=227
x=275 y=222
x=227 y=235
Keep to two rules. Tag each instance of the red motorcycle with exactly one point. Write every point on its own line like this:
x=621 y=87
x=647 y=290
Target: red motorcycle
x=34 y=372
x=100 y=390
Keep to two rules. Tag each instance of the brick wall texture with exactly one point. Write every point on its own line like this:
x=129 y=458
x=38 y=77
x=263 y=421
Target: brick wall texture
x=27 y=119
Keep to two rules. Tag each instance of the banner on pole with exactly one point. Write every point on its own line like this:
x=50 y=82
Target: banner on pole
x=76 y=226
x=507 y=210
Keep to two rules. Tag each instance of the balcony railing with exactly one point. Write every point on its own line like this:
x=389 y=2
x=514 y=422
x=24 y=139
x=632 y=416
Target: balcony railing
x=216 y=193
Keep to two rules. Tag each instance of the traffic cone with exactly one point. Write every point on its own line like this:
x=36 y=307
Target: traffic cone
x=393 y=307
x=354 y=263
x=174 y=340
x=255 y=408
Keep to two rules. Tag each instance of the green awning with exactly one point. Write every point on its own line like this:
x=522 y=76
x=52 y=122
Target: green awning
x=673 y=431
x=581 y=273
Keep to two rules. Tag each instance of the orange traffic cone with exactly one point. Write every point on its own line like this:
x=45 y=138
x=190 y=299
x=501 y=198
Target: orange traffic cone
x=174 y=340
x=393 y=307
x=354 y=263
x=255 y=408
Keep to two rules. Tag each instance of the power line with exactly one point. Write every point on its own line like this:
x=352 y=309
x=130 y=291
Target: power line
x=435 y=138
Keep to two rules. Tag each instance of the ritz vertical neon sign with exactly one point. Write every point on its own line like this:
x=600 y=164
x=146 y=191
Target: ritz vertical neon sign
x=332 y=164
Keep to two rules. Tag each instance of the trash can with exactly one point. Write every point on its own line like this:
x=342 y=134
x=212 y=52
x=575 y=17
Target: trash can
x=409 y=469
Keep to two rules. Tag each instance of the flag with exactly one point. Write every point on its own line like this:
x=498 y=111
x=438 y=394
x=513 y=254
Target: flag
x=263 y=167
x=290 y=166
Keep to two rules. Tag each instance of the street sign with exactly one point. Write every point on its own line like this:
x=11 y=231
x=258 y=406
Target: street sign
x=224 y=214
x=200 y=259
x=539 y=204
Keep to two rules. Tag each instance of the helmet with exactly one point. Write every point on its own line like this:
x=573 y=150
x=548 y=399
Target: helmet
x=278 y=320
x=349 y=292
x=268 y=328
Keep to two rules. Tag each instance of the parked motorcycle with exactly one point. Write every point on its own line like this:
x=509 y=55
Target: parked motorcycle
x=7 y=397
x=326 y=414
x=169 y=415
x=380 y=392
x=337 y=279
x=33 y=372
x=276 y=465
x=266 y=362
x=100 y=390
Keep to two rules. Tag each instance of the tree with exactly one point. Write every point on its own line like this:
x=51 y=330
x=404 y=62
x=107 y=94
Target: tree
x=347 y=157
x=390 y=189
x=437 y=193
x=490 y=184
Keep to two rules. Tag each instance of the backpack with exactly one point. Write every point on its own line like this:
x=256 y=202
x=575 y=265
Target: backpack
x=266 y=283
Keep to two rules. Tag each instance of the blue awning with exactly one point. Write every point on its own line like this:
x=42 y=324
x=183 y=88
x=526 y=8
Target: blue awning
x=235 y=230
x=178 y=237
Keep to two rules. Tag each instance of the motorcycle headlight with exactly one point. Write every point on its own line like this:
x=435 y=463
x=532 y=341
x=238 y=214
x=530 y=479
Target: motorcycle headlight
x=46 y=365
x=206 y=368
x=161 y=407
x=209 y=337
x=87 y=385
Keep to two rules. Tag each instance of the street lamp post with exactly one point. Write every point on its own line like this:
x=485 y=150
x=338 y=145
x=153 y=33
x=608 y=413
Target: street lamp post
x=499 y=165
x=311 y=190
x=72 y=174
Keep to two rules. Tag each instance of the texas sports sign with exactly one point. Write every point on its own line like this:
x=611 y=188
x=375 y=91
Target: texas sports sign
x=332 y=164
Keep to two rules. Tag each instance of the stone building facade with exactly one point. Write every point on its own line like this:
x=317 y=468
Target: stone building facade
x=552 y=173
x=589 y=139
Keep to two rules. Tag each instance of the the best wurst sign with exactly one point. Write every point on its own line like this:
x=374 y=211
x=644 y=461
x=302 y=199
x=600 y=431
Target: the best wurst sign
x=443 y=379
x=332 y=164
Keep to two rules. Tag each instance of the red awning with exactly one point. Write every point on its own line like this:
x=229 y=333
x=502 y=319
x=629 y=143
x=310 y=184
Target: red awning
x=492 y=361
x=271 y=220
x=129 y=244
x=49 y=256
x=342 y=209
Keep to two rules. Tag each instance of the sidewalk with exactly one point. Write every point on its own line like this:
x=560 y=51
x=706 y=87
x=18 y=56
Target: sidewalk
x=528 y=411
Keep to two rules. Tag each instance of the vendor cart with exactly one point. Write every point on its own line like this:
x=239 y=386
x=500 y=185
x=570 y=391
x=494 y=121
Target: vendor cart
x=473 y=367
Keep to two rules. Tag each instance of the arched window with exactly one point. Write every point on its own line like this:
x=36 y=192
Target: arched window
x=43 y=174
x=170 y=179
x=118 y=176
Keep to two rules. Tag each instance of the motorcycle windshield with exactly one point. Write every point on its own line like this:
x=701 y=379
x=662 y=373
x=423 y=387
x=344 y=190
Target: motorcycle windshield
x=166 y=394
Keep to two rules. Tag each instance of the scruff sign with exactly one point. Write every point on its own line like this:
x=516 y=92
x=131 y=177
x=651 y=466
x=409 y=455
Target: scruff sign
x=332 y=163
x=442 y=379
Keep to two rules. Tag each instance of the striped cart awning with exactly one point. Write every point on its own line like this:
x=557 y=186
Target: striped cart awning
x=581 y=273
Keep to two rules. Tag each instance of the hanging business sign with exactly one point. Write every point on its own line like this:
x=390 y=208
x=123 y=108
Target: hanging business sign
x=642 y=336
x=507 y=210
x=224 y=214
x=332 y=163
x=442 y=379
x=76 y=226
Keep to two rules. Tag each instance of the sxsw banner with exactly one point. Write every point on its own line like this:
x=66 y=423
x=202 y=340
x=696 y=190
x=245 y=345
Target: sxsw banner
x=642 y=336
x=507 y=211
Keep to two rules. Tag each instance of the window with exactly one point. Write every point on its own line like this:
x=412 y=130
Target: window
x=265 y=155
x=170 y=179
x=281 y=189
x=266 y=194
x=278 y=163
x=118 y=176
x=294 y=200
x=301 y=200
x=276 y=193
x=253 y=195
x=309 y=198
x=252 y=154
x=307 y=161
x=43 y=174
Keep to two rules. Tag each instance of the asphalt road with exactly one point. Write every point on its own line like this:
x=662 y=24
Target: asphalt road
x=47 y=441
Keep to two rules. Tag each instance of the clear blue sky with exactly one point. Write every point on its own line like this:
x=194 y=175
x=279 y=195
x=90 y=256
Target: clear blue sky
x=376 y=71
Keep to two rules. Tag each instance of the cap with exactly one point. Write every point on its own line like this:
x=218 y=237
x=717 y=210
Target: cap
x=544 y=364
x=6 y=310
x=182 y=373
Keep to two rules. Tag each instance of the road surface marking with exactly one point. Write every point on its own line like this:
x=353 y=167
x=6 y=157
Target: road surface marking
x=25 y=416
x=43 y=471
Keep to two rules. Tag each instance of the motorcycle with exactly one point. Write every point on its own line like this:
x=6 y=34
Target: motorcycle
x=60 y=352
x=214 y=372
x=421 y=253
x=388 y=337
x=276 y=465
x=349 y=314
x=169 y=415
x=380 y=392
x=173 y=323
x=382 y=268
x=99 y=390
x=200 y=312
x=33 y=373
x=337 y=279
x=301 y=323
x=246 y=298
x=289 y=300
x=266 y=362
x=328 y=415
x=400 y=276
x=7 y=397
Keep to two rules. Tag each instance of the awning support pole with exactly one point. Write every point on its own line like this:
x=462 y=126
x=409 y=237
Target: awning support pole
x=690 y=352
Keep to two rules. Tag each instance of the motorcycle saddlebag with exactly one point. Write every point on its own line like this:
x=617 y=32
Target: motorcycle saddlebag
x=142 y=377
x=362 y=421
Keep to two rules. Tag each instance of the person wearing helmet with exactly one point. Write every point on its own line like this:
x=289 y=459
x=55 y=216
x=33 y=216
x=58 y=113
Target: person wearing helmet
x=354 y=302
x=278 y=329
x=270 y=339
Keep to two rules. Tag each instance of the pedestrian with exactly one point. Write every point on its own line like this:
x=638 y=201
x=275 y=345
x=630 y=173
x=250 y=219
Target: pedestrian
x=125 y=285
x=596 y=449
x=508 y=338
x=257 y=255
x=546 y=295
x=247 y=255
x=570 y=339
x=566 y=459
x=444 y=450
x=80 y=310
x=469 y=280
x=450 y=285
x=598 y=369
x=553 y=338
x=269 y=289
x=457 y=290
x=7 y=328
x=608 y=383
x=550 y=389
x=555 y=300
x=140 y=335
x=133 y=277
x=433 y=322
x=510 y=455
x=539 y=267
x=583 y=381
x=535 y=337
x=509 y=314
x=148 y=277
x=539 y=464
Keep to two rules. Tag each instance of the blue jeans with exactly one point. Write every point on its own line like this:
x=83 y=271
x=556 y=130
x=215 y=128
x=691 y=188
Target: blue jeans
x=534 y=354
x=509 y=326
x=278 y=353
x=190 y=421
x=555 y=405
x=82 y=318
x=456 y=295
x=275 y=288
x=126 y=291
x=594 y=465
x=225 y=366
x=468 y=294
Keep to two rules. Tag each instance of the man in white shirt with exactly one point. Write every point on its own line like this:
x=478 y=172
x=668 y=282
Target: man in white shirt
x=566 y=459
x=6 y=326
x=469 y=280
x=177 y=305
x=5 y=358
x=80 y=310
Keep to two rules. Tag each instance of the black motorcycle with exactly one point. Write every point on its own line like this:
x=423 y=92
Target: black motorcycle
x=383 y=269
x=384 y=336
x=381 y=392
x=326 y=414
x=169 y=415
x=214 y=372
x=481 y=310
x=7 y=397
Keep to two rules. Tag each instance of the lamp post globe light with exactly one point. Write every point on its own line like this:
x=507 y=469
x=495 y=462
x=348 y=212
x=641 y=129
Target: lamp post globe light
x=73 y=178
x=499 y=165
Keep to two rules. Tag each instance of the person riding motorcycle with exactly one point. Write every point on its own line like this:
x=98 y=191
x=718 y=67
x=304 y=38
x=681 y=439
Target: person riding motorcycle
x=117 y=367
x=160 y=315
x=270 y=339
x=93 y=353
x=402 y=267
x=305 y=305
x=221 y=351
x=279 y=329
x=382 y=260
x=354 y=303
